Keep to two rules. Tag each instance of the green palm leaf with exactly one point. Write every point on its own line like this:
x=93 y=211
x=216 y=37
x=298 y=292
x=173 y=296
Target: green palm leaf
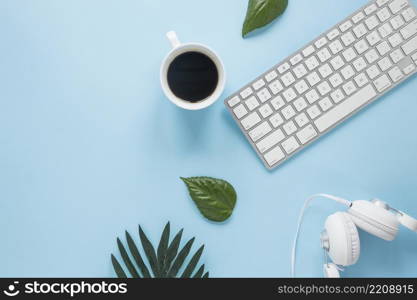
x=165 y=262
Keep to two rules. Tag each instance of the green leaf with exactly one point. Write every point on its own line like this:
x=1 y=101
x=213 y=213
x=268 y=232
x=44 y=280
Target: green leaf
x=150 y=252
x=180 y=259
x=118 y=268
x=206 y=275
x=192 y=264
x=126 y=260
x=137 y=257
x=261 y=13
x=215 y=198
x=162 y=248
x=172 y=251
x=199 y=272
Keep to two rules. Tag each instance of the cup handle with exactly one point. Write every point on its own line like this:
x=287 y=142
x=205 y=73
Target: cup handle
x=173 y=39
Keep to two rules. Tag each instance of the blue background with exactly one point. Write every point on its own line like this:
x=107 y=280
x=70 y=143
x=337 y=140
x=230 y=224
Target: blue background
x=89 y=146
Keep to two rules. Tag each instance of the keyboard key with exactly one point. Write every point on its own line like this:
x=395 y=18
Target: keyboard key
x=276 y=87
x=290 y=145
x=397 y=55
x=410 y=46
x=270 y=141
x=324 y=88
x=370 y=9
x=312 y=96
x=409 y=30
x=271 y=76
x=409 y=69
x=372 y=22
x=301 y=120
x=383 y=48
x=260 y=131
x=251 y=120
x=373 y=71
x=337 y=62
x=337 y=96
x=288 y=79
x=276 y=120
x=360 y=30
x=301 y=87
x=382 y=2
x=274 y=156
x=300 y=71
x=264 y=95
x=312 y=63
x=288 y=112
x=258 y=84
x=349 y=88
x=313 y=79
x=360 y=64
x=384 y=14
x=361 y=80
x=325 y=71
x=240 y=111
x=296 y=59
x=385 y=30
x=266 y=110
x=321 y=42
x=382 y=83
x=348 y=72
x=345 y=108
x=307 y=134
x=396 y=74
x=361 y=46
x=235 y=100
x=408 y=14
x=345 y=26
x=289 y=94
x=290 y=128
x=348 y=39
x=373 y=38
x=385 y=64
x=336 y=80
x=313 y=111
x=336 y=47
x=300 y=104
x=397 y=22
x=277 y=102
x=246 y=93
x=371 y=56
x=333 y=34
x=308 y=51
x=395 y=40
x=324 y=54
x=252 y=103
x=349 y=54
x=283 y=68
x=358 y=17
x=325 y=104
x=397 y=5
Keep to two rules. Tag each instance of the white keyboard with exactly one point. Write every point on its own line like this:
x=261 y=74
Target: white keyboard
x=327 y=81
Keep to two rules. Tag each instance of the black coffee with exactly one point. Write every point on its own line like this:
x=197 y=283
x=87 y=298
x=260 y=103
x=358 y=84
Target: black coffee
x=192 y=76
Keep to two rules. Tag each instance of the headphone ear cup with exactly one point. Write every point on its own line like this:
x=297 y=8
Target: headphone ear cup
x=374 y=219
x=344 y=243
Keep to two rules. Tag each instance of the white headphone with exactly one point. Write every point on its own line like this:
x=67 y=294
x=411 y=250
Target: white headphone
x=340 y=238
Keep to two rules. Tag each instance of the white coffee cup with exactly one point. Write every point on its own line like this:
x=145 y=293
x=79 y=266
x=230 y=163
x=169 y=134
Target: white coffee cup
x=179 y=49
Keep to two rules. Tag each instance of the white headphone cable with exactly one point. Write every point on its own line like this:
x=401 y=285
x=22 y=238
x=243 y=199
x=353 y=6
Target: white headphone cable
x=300 y=220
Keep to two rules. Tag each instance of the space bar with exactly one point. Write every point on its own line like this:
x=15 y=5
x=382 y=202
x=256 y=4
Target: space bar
x=345 y=108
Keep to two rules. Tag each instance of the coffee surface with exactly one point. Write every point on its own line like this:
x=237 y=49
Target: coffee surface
x=192 y=76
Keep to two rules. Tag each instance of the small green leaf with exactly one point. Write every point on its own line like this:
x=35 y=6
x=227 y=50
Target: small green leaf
x=150 y=252
x=193 y=263
x=215 y=198
x=199 y=272
x=162 y=248
x=126 y=260
x=136 y=255
x=206 y=275
x=117 y=268
x=261 y=13
x=180 y=259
